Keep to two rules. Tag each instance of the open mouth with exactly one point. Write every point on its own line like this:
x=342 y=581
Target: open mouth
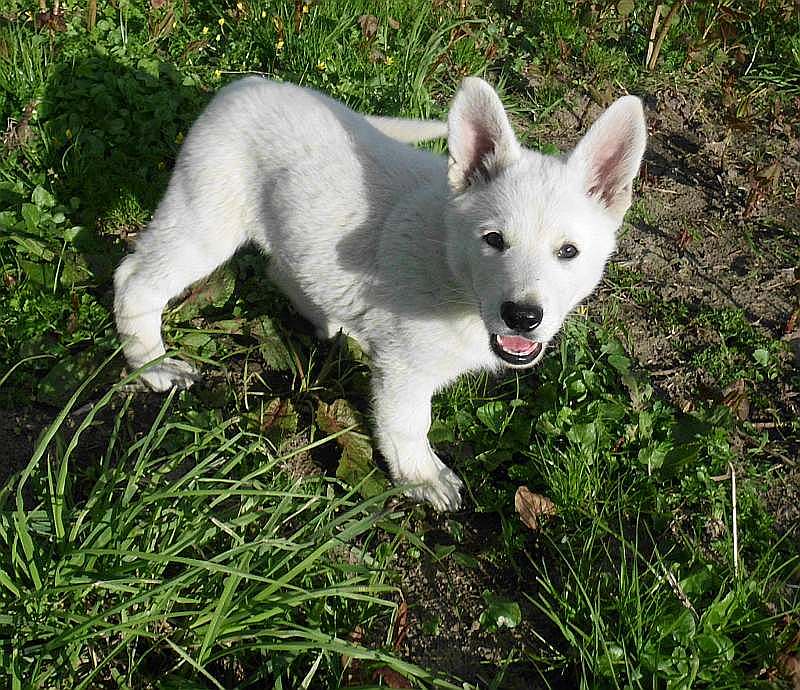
x=515 y=349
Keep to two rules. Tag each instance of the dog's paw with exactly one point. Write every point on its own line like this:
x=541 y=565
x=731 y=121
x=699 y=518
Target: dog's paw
x=169 y=373
x=436 y=484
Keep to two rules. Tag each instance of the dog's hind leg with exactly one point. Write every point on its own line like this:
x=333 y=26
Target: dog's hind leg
x=167 y=260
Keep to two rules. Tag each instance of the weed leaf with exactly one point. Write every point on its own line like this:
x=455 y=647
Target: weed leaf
x=499 y=612
x=213 y=291
x=356 y=466
x=274 y=351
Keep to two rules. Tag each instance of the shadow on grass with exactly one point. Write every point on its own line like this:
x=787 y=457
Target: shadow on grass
x=109 y=135
x=114 y=131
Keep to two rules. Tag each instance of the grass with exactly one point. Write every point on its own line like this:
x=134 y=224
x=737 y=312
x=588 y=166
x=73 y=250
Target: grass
x=182 y=545
x=239 y=534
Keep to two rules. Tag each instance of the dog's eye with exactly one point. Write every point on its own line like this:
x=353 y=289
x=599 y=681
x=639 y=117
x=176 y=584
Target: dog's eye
x=495 y=241
x=568 y=251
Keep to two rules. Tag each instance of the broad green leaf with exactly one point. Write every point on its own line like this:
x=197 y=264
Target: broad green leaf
x=33 y=247
x=213 y=291
x=32 y=215
x=198 y=343
x=609 y=661
x=653 y=455
x=699 y=582
x=499 y=612
x=714 y=647
x=441 y=432
x=718 y=613
x=356 y=465
x=492 y=414
x=61 y=381
x=625 y=7
x=275 y=353
x=681 y=628
x=39 y=272
x=584 y=436
x=42 y=198
x=761 y=356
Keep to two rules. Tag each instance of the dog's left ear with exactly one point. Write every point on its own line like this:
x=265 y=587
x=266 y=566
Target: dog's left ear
x=479 y=136
x=610 y=153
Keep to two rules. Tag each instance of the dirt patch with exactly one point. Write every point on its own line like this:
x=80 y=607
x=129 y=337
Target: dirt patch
x=447 y=597
x=715 y=226
x=19 y=431
x=700 y=241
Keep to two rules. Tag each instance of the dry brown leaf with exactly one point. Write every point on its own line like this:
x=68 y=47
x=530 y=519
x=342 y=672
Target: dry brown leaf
x=533 y=509
x=19 y=133
x=400 y=626
x=51 y=19
x=736 y=399
x=789 y=665
x=352 y=668
x=792 y=322
x=369 y=25
x=390 y=678
x=769 y=174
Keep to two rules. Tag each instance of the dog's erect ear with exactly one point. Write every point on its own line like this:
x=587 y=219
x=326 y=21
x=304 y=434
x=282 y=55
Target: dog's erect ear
x=480 y=139
x=610 y=153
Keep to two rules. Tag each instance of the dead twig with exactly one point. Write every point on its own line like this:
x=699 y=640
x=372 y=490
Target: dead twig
x=735 y=523
x=654 y=47
x=91 y=15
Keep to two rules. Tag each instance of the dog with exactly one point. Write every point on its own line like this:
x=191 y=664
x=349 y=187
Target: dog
x=436 y=265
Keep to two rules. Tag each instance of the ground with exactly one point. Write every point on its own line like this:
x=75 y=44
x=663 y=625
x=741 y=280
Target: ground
x=238 y=534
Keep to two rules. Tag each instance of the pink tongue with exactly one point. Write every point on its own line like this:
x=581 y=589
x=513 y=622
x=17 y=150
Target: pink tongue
x=516 y=344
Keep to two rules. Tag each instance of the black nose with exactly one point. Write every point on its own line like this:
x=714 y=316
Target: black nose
x=521 y=317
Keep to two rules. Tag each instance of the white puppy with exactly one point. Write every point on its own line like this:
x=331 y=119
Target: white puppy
x=436 y=267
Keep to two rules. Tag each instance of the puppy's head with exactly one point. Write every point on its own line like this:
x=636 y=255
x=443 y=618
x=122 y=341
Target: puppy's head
x=530 y=234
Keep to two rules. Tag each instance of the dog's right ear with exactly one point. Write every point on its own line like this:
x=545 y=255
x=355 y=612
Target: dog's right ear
x=480 y=139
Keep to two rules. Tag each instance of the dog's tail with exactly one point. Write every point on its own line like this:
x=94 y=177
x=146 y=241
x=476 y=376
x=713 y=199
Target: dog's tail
x=409 y=131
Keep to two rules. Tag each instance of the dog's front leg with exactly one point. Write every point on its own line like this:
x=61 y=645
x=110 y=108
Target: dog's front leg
x=402 y=411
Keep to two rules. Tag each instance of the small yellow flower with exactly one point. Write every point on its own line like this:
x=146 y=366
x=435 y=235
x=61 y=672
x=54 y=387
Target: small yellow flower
x=217 y=37
x=263 y=14
x=68 y=133
x=240 y=7
x=389 y=60
x=217 y=74
x=205 y=30
x=179 y=138
x=221 y=21
x=305 y=9
x=279 y=45
x=321 y=66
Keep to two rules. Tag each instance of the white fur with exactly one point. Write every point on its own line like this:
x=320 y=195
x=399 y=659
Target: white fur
x=384 y=241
